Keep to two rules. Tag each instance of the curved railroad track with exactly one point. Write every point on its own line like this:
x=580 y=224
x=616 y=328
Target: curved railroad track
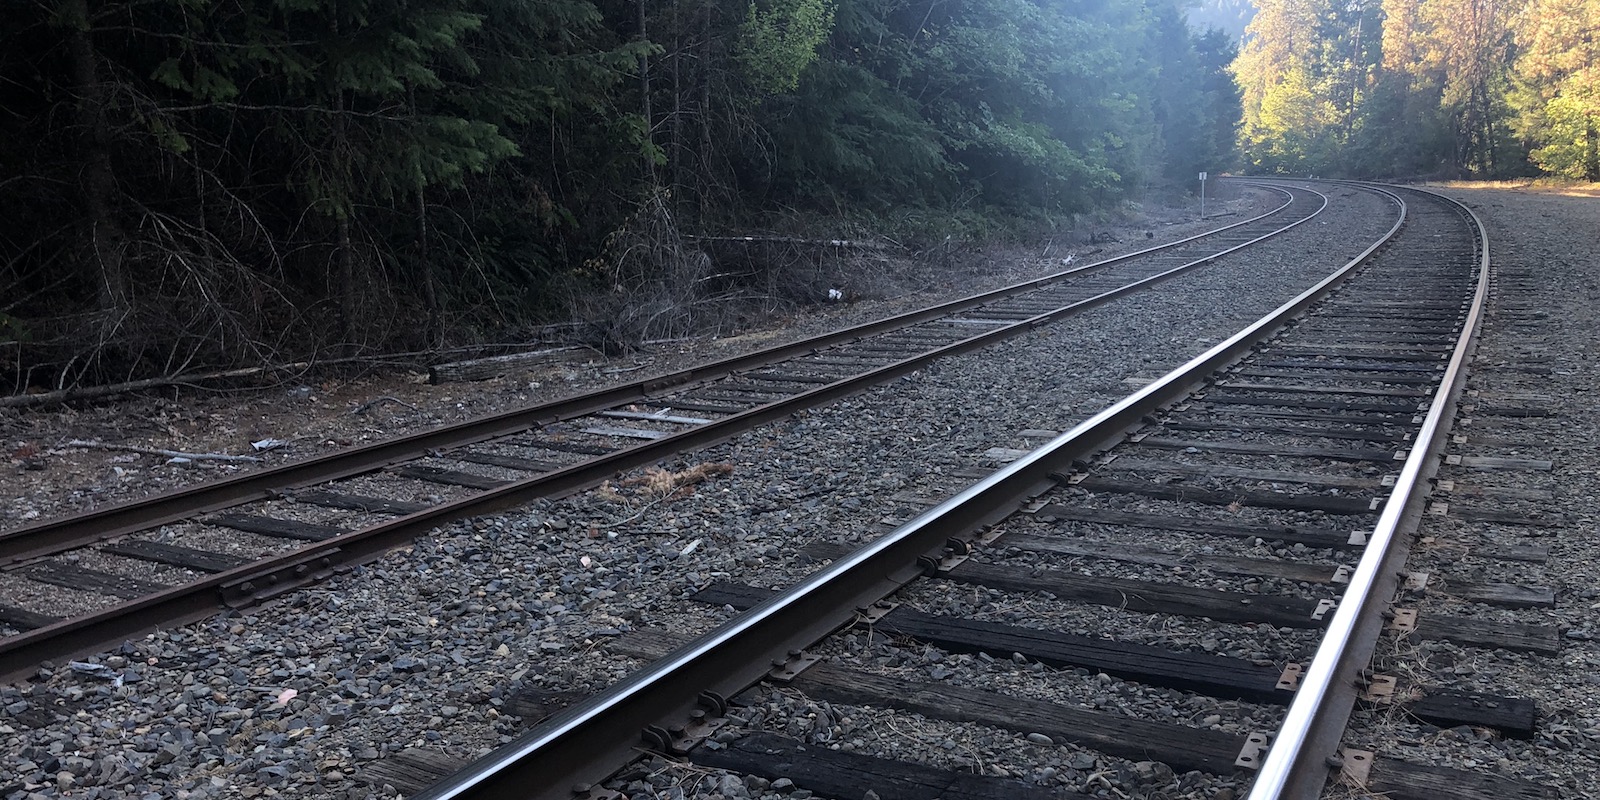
x=1262 y=496
x=297 y=523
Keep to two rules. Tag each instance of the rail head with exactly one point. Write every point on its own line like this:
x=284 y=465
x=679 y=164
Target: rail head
x=549 y=760
x=1297 y=763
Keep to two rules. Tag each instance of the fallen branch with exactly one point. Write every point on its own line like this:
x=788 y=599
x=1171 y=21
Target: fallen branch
x=367 y=406
x=794 y=240
x=151 y=451
x=483 y=368
x=94 y=392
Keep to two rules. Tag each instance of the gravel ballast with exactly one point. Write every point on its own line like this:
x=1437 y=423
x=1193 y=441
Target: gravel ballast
x=421 y=648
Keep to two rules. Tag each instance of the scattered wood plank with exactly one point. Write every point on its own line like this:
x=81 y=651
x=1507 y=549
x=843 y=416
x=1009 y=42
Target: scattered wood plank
x=1252 y=371
x=1505 y=595
x=1219 y=399
x=1243 y=473
x=1512 y=716
x=1347 y=366
x=1145 y=597
x=1521 y=412
x=356 y=502
x=1004 y=455
x=1219 y=676
x=535 y=704
x=790 y=377
x=1534 y=553
x=84 y=579
x=624 y=432
x=664 y=415
x=23 y=619
x=1310 y=537
x=1497 y=464
x=1294 y=388
x=912 y=498
x=1142 y=554
x=1480 y=513
x=837 y=773
x=570 y=447
x=271 y=526
x=1231 y=498
x=1405 y=780
x=109 y=390
x=1541 y=639
x=1251 y=448
x=684 y=404
x=1218 y=423
x=176 y=555
x=497 y=460
x=448 y=477
x=411 y=770
x=1180 y=747
x=1459 y=489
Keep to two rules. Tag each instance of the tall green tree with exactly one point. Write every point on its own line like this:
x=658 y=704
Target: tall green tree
x=1559 y=66
x=211 y=182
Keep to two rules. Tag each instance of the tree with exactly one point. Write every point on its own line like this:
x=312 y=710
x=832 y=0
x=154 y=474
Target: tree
x=1559 y=65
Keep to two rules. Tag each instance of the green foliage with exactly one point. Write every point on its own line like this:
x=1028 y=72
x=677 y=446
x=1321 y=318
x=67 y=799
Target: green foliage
x=778 y=43
x=1566 y=128
x=1461 y=88
x=290 y=174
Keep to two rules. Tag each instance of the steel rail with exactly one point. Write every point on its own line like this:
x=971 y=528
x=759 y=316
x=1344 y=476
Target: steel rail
x=583 y=745
x=266 y=578
x=1297 y=762
x=59 y=535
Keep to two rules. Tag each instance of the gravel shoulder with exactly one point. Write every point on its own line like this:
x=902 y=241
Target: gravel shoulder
x=424 y=647
x=41 y=477
x=1540 y=348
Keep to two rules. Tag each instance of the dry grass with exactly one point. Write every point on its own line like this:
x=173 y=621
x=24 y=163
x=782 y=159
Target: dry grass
x=1561 y=186
x=656 y=485
x=660 y=482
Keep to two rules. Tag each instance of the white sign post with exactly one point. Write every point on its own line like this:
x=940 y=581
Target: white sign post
x=1202 y=197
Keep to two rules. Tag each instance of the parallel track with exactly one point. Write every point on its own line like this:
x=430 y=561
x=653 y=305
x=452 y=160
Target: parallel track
x=1316 y=427
x=502 y=461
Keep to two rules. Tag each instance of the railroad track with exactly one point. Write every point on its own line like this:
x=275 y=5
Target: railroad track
x=181 y=555
x=1259 y=500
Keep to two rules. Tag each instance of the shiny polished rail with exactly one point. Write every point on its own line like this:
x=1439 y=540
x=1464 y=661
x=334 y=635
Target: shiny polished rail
x=1298 y=761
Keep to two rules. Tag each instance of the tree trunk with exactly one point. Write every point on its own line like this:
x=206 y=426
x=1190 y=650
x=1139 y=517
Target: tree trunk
x=344 y=256
x=1591 y=150
x=103 y=237
x=432 y=333
x=644 y=94
x=676 y=126
x=705 y=112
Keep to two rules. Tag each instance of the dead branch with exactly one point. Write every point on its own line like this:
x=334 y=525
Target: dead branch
x=478 y=369
x=94 y=392
x=151 y=451
x=367 y=406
